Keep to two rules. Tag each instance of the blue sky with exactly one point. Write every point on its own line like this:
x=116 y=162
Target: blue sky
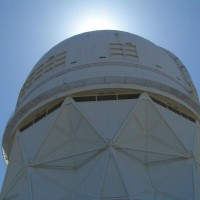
x=30 y=28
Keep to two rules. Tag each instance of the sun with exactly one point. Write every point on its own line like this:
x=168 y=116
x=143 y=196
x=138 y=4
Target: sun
x=92 y=22
x=97 y=24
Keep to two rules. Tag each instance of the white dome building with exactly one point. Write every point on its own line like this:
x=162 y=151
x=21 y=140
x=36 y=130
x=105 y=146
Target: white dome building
x=104 y=115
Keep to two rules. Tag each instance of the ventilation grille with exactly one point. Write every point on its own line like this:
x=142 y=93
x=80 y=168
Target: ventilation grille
x=50 y=64
x=127 y=50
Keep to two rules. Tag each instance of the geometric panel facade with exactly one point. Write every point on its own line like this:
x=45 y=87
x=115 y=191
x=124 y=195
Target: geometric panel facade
x=117 y=149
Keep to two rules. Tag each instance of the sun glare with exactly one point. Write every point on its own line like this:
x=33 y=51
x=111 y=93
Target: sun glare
x=97 y=24
x=92 y=23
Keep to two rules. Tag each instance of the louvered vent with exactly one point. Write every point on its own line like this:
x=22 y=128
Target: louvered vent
x=127 y=50
x=50 y=64
x=130 y=50
x=116 y=50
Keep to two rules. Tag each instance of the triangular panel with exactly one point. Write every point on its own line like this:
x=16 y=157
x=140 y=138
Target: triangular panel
x=152 y=115
x=71 y=154
x=50 y=189
x=71 y=162
x=63 y=151
x=63 y=119
x=140 y=113
x=134 y=174
x=157 y=151
x=54 y=140
x=131 y=131
x=158 y=172
x=162 y=132
x=90 y=184
x=32 y=137
x=186 y=132
x=113 y=185
x=179 y=183
x=104 y=113
x=75 y=118
x=62 y=177
x=60 y=132
x=87 y=132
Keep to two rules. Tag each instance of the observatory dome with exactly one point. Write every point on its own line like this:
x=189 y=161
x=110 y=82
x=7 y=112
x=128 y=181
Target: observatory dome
x=107 y=53
x=108 y=106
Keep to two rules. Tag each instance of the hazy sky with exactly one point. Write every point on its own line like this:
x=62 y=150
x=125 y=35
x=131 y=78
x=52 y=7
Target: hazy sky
x=29 y=28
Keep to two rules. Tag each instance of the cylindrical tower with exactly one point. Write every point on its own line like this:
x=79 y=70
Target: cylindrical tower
x=104 y=115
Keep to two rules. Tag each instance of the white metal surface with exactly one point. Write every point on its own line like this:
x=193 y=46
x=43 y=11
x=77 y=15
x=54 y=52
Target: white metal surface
x=98 y=145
